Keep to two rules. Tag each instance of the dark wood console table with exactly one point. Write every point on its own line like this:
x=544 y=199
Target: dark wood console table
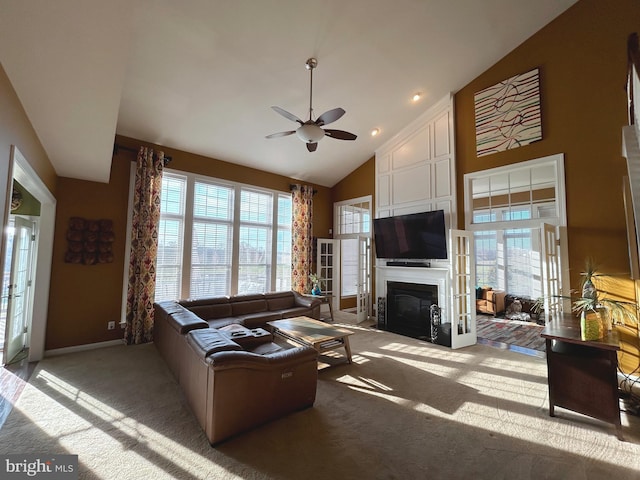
x=582 y=374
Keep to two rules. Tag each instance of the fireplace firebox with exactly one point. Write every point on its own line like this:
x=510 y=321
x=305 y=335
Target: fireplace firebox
x=412 y=311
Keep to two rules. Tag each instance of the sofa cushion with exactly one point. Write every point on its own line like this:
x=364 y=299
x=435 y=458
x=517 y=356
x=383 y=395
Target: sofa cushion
x=203 y=301
x=184 y=321
x=210 y=312
x=280 y=300
x=223 y=322
x=248 y=306
x=208 y=341
x=265 y=348
x=169 y=306
x=209 y=308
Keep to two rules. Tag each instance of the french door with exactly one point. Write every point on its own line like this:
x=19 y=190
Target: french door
x=329 y=263
x=18 y=290
x=363 y=296
x=463 y=311
x=551 y=267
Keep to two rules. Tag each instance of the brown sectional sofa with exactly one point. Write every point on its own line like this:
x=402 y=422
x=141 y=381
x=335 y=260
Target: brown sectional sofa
x=234 y=376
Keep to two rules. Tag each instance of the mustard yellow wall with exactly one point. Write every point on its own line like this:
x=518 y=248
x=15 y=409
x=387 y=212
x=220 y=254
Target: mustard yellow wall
x=84 y=298
x=582 y=56
x=359 y=183
x=583 y=66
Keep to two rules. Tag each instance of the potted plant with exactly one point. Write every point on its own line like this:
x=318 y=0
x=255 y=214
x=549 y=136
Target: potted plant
x=597 y=309
x=315 y=281
x=595 y=305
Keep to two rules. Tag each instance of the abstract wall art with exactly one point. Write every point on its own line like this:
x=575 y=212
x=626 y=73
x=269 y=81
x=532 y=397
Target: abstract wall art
x=508 y=114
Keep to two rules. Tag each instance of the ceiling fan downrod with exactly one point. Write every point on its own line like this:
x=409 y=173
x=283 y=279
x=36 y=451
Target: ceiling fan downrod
x=310 y=65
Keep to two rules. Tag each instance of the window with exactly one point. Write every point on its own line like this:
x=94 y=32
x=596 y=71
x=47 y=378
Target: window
x=204 y=221
x=211 y=240
x=283 y=243
x=505 y=208
x=170 y=237
x=255 y=241
x=486 y=253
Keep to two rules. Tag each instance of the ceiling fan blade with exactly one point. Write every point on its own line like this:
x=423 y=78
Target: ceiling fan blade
x=288 y=115
x=339 y=134
x=280 y=134
x=331 y=116
x=312 y=147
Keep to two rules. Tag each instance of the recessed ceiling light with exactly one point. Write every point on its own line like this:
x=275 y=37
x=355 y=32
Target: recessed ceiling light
x=375 y=132
x=416 y=96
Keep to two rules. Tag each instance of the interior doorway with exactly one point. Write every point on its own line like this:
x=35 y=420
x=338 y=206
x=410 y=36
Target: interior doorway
x=26 y=254
x=18 y=275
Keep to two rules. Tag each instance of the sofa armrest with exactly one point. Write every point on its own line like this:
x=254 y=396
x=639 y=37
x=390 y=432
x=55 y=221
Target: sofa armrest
x=306 y=301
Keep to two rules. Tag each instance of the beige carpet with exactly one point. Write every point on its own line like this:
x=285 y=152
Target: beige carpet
x=404 y=409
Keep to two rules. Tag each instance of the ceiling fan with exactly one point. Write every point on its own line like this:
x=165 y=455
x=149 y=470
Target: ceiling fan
x=310 y=131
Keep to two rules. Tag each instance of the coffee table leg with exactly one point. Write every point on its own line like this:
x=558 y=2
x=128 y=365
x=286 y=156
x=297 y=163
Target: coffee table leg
x=347 y=348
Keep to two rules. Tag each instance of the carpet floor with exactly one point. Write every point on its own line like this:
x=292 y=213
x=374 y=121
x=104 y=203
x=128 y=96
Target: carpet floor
x=523 y=337
x=404 y=409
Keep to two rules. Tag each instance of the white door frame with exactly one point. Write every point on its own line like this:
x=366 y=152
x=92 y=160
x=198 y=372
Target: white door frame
x=21 y=171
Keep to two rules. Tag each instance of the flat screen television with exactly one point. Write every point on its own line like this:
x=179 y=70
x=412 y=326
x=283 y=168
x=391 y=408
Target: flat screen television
x=412 y=236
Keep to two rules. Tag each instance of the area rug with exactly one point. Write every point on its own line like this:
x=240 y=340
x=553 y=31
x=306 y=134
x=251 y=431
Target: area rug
x=516 y=335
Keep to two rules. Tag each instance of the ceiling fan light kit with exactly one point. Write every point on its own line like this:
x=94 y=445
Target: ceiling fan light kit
x=310 y=131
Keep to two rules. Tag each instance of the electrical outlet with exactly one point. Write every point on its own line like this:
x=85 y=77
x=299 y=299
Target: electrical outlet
x=111 y=325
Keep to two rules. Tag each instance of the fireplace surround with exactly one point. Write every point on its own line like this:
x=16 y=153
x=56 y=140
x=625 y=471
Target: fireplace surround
x=412 y=310
x=456 y=314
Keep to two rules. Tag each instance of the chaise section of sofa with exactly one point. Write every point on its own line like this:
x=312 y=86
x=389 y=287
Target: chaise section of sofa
x=233 y=375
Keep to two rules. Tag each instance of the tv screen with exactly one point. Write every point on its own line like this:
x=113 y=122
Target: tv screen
x=412 y=236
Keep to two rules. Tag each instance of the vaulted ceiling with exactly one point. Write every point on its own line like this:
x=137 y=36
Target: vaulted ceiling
x=201 y=76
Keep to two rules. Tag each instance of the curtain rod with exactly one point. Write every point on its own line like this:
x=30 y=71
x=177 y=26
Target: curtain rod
x=117 y=147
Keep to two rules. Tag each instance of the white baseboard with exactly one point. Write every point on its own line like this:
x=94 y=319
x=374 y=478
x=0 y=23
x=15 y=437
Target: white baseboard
x=82 y=348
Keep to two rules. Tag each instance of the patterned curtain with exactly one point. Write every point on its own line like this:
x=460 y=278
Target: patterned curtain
x=302 y=238
x=144 y=247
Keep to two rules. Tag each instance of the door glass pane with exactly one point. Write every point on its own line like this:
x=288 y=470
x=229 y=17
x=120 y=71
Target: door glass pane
x=6 y=280
x=349 y=257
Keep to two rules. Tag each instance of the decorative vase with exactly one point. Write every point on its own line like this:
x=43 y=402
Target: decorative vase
x=316 y=290
x=591 y=325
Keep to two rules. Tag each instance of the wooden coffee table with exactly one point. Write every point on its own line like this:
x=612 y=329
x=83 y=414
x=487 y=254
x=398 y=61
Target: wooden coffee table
x=319 y=335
